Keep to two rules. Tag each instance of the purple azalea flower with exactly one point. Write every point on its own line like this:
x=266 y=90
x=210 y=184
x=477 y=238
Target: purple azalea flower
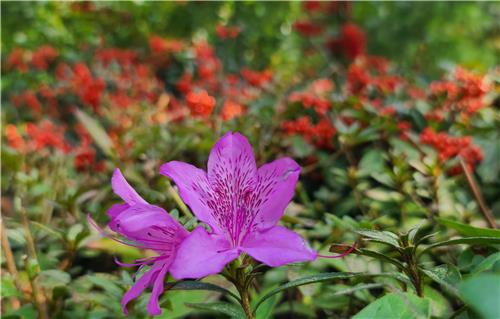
x=242 y=205
x=149 y=227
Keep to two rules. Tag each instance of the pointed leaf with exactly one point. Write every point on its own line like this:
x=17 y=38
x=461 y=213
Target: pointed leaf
x=466 y=241
x=96 y=131
x=482 y=294
x=396 y=306
x=383 y=237
x=446 y=275
x=232 y=310
x=467 y=230
x=198 y=285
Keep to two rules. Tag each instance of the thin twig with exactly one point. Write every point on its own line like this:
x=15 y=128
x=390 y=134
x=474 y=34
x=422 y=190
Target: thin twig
x=178 y=200
x=37 y=291
x=490 y=219
x=11 y=264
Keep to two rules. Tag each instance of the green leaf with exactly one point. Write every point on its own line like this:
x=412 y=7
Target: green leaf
x=96 y=131
x=482 y=294
x=305 y=281
x=349 y=291
x=267 y=309
x=487 y=263
x=232 y=310
x=396 y=306
x=466 y=241
x=8 y=287
x=380 y=256
x=467 y=230
x=383 y=237
x=198 y=285
x=446 y=275
x=53 y=278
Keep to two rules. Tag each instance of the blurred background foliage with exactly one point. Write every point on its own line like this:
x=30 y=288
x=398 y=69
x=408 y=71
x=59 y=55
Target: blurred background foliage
x=418 y=36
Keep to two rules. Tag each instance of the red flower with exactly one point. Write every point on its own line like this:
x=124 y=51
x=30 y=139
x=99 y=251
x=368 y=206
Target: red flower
x=307 y=28
x=352 y=41
x=16 y=60
x=160 y=45
x=46 y=134
x=231 y=110
x=449 y=147
x=44 y=55
x=14 y=139
x=200 y=103
x=311 y=5
x=256 y=78
x=227 y=32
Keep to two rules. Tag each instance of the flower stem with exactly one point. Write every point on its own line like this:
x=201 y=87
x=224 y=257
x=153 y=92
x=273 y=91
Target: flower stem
x=245 y=303
x=490 y=219
x=178 y=200
x=38 y=296
x=11 y=264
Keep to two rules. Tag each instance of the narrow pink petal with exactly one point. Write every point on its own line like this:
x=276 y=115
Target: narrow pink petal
x=122 y=188
x=200 y=255
x=139 y=286
x=276 y=188
x=277 y=246
x=193 y=189
x=140 y=216
x=153 y=305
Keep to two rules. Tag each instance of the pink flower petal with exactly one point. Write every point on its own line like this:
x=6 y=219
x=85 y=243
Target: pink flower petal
x=124 y=190
x=278 y=246
x=201 y=254
x=193 y=188
x=276 y=188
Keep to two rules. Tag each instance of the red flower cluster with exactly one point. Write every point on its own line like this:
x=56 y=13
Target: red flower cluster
x=123 y=57
x=319 y=134
x=88 y=88
x=463 y=93
x=227 y=32
x=449 y=147
x=307 y=28
x=257 y=78
x=39 y=59
x=27 y=98
x=159 y=45
x=351 y=41
x=200 y=103
x=315 y=96
x=370 y=73
x=230 y=110
x=45 y=137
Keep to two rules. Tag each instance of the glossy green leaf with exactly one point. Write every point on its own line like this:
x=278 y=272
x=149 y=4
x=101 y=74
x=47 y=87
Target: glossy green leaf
x=482 y=293
x=487 y=263
x=198 y=285
x=447 y=275
x=465 y=241
x=396 y=306
x=380 y=256
x=53 y=278
x=383 y=237
x=305 y=281
x=96 y=131
x=232 y=310
x=467 y=230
